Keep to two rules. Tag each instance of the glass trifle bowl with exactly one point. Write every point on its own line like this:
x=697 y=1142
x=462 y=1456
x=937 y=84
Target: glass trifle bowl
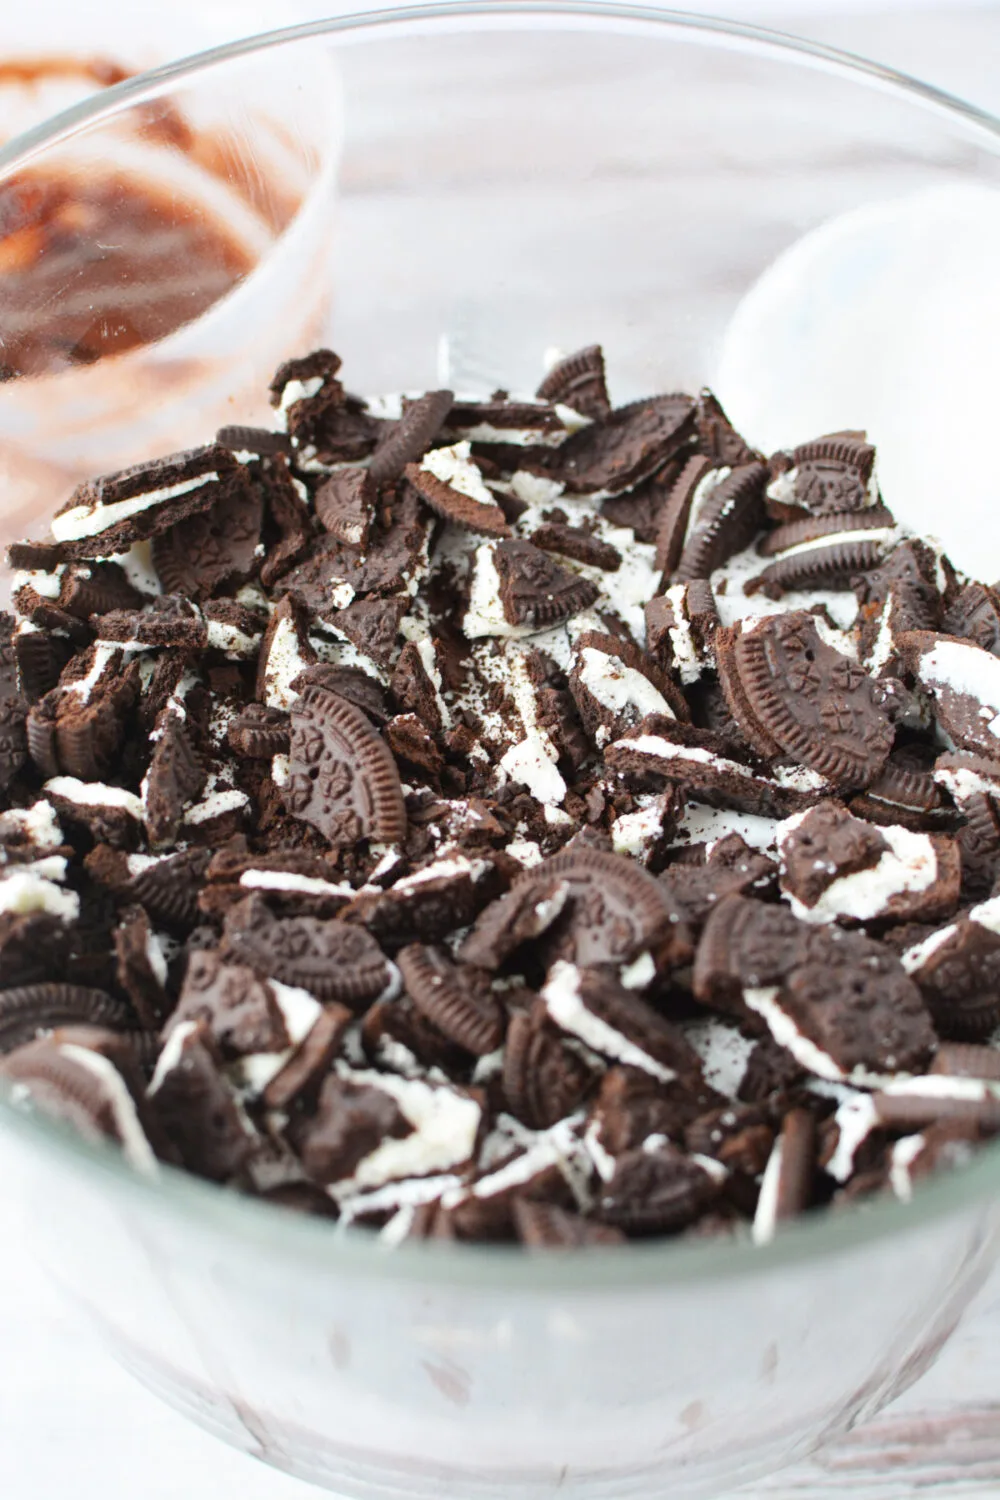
x=501 y=179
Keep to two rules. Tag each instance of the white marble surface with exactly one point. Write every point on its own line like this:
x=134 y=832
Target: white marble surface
x=73 y=1425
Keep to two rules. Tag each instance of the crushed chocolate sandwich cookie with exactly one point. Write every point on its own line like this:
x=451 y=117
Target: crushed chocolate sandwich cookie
x=512 y=818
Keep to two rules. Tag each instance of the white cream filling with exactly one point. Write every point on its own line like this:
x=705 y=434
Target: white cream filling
x=535 y=489
x=885 y=536
x=94 y=794
x=962 y=783
x=445 y=1126
x=516 y=437
x=156 y=958
x=453 y=466
x=855 y=1119
x=90 y=520
x=604 y=1162
x=653 y=744
x=904 y=1153
x=704 y=490
x=299 y=1009
x=447 y=866
x=46 y=585
x=302 y=885
x=215 y=805
x=765 y=1219
x=687 y=657
x=965 y=669
x=617 y=688
x=532 y=763
x=724 y=1053
x=485 y=615
x=914 y=958
x=284 y=663
x=104 y=651
x=635 y=833
x=236 y=644
x=299 y=390
x=708 y=825
x=170 y=1057
x=763 y=1002
x=37 y=823
x=639 y=973
x=564 y=1003
x=135 y=1147
x=24 y=892
x=907 y=867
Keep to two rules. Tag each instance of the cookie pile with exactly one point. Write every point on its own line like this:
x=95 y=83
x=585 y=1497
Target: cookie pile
x=507 y=819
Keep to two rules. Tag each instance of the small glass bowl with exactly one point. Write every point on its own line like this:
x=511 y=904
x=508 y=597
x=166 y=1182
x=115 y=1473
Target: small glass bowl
x=512 y=177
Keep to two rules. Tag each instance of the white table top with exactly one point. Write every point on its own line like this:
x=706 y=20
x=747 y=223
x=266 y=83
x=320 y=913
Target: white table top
x=71 y=1423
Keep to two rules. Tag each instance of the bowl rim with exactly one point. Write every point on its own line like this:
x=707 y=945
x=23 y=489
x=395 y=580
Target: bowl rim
x=223 y=1212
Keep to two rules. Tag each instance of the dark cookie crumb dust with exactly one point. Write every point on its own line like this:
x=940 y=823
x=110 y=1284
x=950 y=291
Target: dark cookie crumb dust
x=518 y=819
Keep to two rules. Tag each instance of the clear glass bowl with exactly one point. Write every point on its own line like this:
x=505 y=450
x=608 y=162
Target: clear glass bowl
x=512 y=177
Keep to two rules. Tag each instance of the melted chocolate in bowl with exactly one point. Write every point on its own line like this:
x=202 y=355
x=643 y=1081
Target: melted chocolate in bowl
x=63 y=303
x=153 y=265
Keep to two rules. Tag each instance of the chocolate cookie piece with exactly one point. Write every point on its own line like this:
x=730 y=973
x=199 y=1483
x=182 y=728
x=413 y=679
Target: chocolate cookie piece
x=70 y=1076
x=614 y=687
x=198 y=555
x=13 y=709
x=824 y=551
x=966 y=1060
x=168 y=888
x=239 y=1010
x=633 y=1105
x=30 y=1011
x=457 y=999
x=451 y=484
x=342 y=777
x=40 y=657
x=672 y=522
x=300 y=1077
x=695 y=760
x=579 y=382
x=788 y=1183
x=975 y=616
x=429 y=903
x=525 y=913
x=79 y=734
x=963 y=682
x=717 y=437
x=640 y=509
x=979 y=844
x=321 y=419
x=854 y=1001
x=350 y=1122
x=835 y=867
x=627 y=446
x=791 y=692
x=392 y=558
x=408 y=440
x=827 y=475
x=722 y=520
x=616 y=1023
x=957 y=968
x=345 y=505
x=195 y=1109
x=258 y=442
x=176 y=778
x=170 y=621
x=352 y=684
x=535 y=591
x=413 y=689
x=373 y=625
x=104 y=517
x=576 y=542
x=142 y=967
x=331 y=959
x=543 y=1081
x=613 y=910
x=544 y=1226
x=656 y=1191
